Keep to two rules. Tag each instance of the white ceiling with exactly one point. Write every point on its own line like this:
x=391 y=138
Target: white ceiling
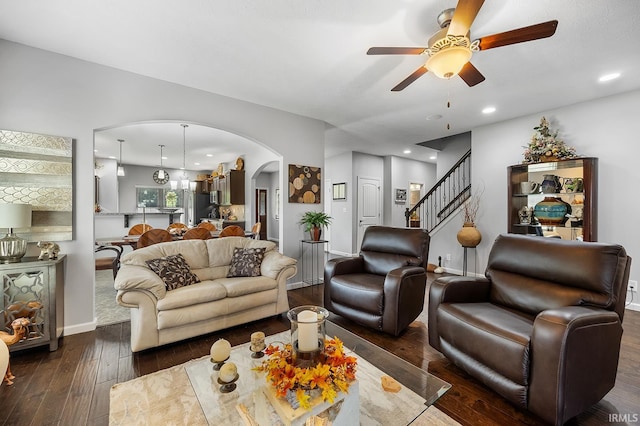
x=308 y=57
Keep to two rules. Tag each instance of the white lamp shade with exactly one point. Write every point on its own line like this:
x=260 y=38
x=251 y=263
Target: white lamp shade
x=15 y=215
x=173 y=184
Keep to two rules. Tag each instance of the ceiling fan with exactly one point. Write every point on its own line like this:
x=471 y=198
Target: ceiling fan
x=450 y=49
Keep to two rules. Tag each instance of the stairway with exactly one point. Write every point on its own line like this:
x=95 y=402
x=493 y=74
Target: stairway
x=446 y=196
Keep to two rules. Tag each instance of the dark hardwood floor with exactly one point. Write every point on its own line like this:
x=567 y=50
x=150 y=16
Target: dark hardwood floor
x=71 y=385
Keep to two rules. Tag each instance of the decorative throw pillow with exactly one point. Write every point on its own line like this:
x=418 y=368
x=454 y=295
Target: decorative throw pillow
x=246 y=262
x=174 y=271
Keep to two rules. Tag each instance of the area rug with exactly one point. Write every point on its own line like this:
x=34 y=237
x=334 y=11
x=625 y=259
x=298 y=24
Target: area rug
x=166 y=397
x=107 y=310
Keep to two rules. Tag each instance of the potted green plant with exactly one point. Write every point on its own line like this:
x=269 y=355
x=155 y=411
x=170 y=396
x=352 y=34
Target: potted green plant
x=313 y=222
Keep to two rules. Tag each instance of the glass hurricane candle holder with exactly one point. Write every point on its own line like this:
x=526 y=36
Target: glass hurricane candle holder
x=307 y=335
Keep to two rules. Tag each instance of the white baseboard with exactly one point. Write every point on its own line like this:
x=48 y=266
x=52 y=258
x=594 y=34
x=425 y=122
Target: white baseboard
x=81 y=328
x=635 y=302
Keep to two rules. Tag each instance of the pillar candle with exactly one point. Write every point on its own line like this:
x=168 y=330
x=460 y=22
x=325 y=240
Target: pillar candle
x=307 y=331
x=257 y=341
x=220 y=350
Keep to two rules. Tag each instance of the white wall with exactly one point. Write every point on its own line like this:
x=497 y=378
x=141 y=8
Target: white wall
x=456 y=147
x=399 y=173
x=339 y=169
x=603 y=128
x=44 y=92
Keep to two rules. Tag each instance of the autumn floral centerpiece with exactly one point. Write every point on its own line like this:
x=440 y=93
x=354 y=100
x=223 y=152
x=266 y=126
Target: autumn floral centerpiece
x=545 y=145
x=297 y=383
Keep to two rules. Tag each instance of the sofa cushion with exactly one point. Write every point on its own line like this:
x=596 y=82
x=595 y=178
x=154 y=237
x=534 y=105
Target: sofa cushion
x=220 y=250
x=203 y=292
x=195 y=251
x=239 y=286
x=246 y=262
x=173 y=270
x=474 y=327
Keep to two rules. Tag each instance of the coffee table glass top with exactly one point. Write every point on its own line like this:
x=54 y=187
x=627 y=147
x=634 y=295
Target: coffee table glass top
x=421 y=388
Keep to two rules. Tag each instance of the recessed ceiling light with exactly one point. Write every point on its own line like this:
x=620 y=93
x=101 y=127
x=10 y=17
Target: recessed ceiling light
x=489 y=110
x=95 y=150
x=209 y=155
x=609 y=77
x=165 y=158
x=434 y=117
x=407 y=151
x=433 y=157
x=196 y=164
x=112 y=157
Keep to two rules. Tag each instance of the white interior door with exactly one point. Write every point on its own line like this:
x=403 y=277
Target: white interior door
x=369 y=205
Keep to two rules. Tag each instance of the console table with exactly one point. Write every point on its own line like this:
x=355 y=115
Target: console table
x=34 y=289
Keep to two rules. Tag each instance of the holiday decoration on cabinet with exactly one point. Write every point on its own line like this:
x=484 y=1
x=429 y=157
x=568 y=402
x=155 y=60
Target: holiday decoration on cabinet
x=554 y=199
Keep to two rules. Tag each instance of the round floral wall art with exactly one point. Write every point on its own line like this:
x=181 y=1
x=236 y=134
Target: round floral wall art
x=545 y=145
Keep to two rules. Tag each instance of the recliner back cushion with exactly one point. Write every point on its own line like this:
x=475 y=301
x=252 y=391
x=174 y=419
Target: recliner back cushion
x=533 y=274
x=385 y=248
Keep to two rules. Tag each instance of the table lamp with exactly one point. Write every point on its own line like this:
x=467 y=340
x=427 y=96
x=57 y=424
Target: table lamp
x=12 y=247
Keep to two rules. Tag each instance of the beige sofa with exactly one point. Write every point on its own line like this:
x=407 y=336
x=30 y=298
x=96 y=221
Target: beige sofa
x=159 y=316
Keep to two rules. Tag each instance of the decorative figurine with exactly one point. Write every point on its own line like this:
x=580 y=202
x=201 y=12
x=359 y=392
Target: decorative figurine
x=48 y=249
x=20 y=329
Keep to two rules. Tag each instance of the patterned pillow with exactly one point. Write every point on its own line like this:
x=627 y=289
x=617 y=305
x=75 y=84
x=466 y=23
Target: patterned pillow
x=174 y=271
x=246 y=262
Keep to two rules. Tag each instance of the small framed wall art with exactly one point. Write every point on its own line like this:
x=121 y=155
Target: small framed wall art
x=401 y=195
x=340 y=191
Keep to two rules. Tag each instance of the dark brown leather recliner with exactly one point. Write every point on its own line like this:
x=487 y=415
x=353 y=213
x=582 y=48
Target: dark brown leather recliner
x=384 y=287
x=543 y=329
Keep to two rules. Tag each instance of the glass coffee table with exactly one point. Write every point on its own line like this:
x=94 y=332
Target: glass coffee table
x=419 y=388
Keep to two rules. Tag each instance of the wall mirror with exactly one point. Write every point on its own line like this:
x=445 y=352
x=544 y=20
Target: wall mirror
x=37 y=169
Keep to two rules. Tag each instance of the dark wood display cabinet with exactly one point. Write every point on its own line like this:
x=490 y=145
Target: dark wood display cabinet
x=231 y=187
x=578 y=187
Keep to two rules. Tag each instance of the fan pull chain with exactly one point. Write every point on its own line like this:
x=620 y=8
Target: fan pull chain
x=448 y=102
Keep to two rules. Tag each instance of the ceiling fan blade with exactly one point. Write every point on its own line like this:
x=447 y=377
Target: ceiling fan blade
x=463 y=17
x=407 y=81
x=396 y=50
x=471 y=75
x=533 y=32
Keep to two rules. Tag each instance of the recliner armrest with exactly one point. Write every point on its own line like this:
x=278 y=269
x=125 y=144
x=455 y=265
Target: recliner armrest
x=453 y=290
x=460 y=290
x=581 y=345
x=342 y=266
x=404 y=290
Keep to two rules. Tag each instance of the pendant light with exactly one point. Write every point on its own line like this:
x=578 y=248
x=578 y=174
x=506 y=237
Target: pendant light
x=184 y=179
x=161 y=171
x=120 y=168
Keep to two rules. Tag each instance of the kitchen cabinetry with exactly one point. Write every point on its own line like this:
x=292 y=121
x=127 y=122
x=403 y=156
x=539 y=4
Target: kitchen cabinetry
x=583 y=199
x=34 y=289
x=231 y=187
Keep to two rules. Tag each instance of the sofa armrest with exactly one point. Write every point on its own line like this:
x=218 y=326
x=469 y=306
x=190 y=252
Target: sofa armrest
x=404 y=290
x=453 y=289
x=134 y=277
x=274 y=262
x=581 y=345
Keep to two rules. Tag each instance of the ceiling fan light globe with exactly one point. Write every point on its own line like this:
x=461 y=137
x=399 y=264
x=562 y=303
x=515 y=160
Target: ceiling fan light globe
x=449 y=62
